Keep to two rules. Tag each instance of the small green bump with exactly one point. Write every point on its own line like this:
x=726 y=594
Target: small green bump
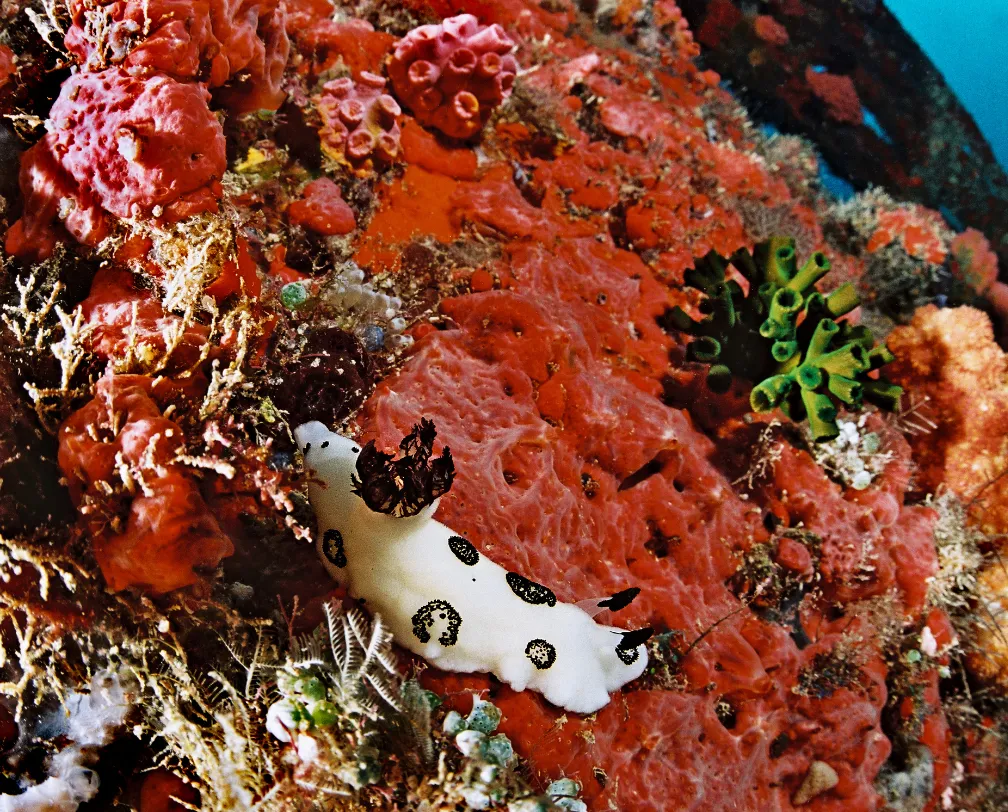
x=470 y=742
x=719 y=379
x=433 y=700
x=293 y=295
x=564 y=788
x=368 y=765
x=484 y=717
x=498 y=750
x=453 y=723
x=324 y=713
x=704 y=349
x=871 y=442
x=313 y=688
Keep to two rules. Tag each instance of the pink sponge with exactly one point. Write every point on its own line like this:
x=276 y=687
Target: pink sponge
x=169 y=36
x=122 y=144
x=136 y=143
x=50 y=195
x=214 y=41
x=452 y=75
x=359 y=121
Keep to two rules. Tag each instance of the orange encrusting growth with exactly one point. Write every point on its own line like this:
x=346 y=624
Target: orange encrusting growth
x=147 y=520
x=417 y=204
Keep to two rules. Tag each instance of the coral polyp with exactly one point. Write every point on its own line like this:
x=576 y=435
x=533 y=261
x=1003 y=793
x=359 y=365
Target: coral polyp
x=783 y=335
x=452 y=75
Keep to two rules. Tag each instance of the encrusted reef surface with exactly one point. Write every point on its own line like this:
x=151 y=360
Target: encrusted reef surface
x=662 y=356
x=848 y=76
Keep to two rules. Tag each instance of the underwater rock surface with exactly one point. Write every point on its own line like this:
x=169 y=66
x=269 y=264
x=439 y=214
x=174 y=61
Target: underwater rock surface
x=850 y=78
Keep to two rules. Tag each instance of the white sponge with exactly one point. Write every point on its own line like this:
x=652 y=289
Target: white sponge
x=449 y=603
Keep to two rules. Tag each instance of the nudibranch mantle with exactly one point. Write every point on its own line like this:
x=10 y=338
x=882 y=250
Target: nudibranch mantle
x=449 y=603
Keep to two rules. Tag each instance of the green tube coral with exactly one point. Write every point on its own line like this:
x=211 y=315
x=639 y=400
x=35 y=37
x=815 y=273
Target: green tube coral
x=784 y=336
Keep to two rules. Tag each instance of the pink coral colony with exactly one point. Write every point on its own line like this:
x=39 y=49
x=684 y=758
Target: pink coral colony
x=360 y=121
x=451 y=76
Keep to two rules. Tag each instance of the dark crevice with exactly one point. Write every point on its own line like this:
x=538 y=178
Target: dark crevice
x=646 y=471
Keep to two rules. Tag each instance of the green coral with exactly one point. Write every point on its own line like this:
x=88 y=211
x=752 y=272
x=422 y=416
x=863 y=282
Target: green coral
x=784 y=336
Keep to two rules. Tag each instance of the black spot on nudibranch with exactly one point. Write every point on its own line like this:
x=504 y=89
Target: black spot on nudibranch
x=307 y=448
x=332 y=548
x=627 y=650
x=325 y=444
x=463 y=550
x=530 y=591
x=541 y=653
x=620 y=600
x=424 y=618
x=627 y=655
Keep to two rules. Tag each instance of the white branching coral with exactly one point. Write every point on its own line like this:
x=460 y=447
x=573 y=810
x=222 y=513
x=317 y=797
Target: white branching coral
x=40 y=326
x=191 y=254
x=35 y=644
x=854 y=456
x=225 y=382
x=765 y=455
x=29 y=320
x=46 y=565
x=88 y=720
x=217 y=740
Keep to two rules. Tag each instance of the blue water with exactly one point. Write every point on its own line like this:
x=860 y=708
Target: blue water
x=965 y=40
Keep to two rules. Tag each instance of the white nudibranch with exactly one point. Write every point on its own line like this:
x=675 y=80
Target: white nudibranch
x=441 y=597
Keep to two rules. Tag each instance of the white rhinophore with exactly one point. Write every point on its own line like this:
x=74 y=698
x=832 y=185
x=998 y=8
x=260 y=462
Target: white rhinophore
x=449 y=603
